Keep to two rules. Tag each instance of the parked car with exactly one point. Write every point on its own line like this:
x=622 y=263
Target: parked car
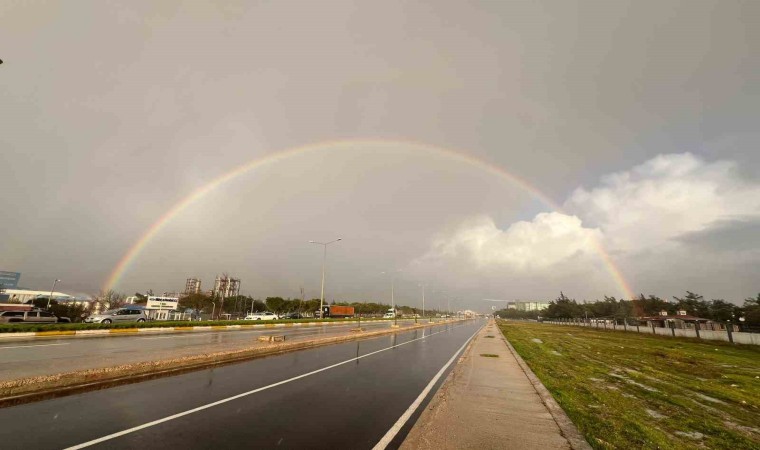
x=118 y=315
x=35 y=316
x=292 y=315
x=389 y=315
x=262 y=316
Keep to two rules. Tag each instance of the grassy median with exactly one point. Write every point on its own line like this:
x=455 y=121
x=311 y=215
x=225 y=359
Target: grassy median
x=628 y=390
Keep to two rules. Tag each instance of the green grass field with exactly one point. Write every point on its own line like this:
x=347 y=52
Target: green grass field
x=628 y=390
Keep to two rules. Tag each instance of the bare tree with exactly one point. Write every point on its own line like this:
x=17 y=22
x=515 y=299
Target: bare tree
x=111 y=299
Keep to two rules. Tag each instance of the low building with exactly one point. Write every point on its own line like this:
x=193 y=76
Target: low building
x=25 y=295
x=521 y=305
x=681 y=320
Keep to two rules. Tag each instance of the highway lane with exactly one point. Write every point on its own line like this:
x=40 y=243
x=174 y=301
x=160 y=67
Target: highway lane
x=341 y=396
x=49 y=356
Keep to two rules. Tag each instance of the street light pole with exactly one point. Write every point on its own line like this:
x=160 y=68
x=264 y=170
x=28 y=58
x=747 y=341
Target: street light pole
x=51 y=293
x=423 y=300
x=324 y=263
x=393 y=301
x=392 y=273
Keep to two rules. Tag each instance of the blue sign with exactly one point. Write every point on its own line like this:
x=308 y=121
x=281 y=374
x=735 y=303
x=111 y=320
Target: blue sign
x=9 y=280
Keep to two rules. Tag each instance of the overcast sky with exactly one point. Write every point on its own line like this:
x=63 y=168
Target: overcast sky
x=638 y=120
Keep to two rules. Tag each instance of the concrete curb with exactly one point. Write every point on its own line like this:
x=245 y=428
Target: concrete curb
x=566 y=426
x=22 y=390
x=188 y=329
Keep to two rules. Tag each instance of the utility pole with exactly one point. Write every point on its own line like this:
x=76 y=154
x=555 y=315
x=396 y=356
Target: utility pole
x=324 y=262
x=51 y=293
x=393 y=302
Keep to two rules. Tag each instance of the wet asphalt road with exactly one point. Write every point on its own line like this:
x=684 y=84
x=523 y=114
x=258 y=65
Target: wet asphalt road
x=314 y=404
x=45 y=356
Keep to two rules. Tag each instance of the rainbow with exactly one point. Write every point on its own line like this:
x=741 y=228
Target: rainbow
x=134 y=251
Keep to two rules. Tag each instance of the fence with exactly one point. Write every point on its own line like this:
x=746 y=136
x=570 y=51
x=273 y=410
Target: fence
x=728 y=334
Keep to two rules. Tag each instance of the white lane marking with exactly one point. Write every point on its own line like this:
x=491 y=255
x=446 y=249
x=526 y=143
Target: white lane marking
x=33 y=345
x=244 y=394
x=416 y=404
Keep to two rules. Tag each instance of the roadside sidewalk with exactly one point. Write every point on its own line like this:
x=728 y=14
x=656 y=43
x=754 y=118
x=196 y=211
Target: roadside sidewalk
x=490 y=402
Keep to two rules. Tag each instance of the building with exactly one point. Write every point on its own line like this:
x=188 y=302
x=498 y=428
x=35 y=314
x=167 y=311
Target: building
x=521 y=305
x=193 y=286
x=682 y=320
x=226 y=287
x=24 y=295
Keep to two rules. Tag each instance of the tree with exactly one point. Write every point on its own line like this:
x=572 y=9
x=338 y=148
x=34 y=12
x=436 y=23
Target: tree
x=111 y=299
x=624 y=309
x=563 y=307
x=275 y=304
x=722 y=310
x=652 y=306
x=693 y=304
x=72 y=311
x=197 y=302
x=752 y=311
x=259 y=306
x=141 y=299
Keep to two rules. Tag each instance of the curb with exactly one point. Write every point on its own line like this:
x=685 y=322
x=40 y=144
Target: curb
x=566 y=426
x=188 y=329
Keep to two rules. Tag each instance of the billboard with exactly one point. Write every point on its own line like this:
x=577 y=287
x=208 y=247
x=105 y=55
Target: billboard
x=162 y=302
x=9 y=280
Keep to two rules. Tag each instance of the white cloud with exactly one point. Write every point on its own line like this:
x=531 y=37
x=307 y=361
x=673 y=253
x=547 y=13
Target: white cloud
x=548 y=239
x=648 y=218
x=664 y=198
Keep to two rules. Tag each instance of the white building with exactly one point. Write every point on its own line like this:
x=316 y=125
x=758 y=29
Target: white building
x=523 y=305
x=24 y=295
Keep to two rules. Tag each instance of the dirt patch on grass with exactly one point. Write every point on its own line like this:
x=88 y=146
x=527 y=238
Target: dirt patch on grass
x=694 y=435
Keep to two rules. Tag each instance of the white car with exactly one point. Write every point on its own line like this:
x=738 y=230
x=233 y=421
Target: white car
x=262 y=316
x=389 y=316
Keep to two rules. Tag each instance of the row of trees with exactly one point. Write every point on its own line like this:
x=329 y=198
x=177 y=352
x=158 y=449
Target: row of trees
x=241 y=304
x=694 y=304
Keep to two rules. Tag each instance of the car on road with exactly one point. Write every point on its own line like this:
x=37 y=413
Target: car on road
x=389 y=315
x=118 y=315
x=35 y=316
x=292 y=315
x=262 y=316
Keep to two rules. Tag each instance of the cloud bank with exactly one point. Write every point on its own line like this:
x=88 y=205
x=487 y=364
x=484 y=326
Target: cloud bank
x=663 y=215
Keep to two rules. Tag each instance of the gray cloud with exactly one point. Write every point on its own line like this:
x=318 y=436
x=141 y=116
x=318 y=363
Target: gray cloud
x=727 y=236
x=112 y=113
